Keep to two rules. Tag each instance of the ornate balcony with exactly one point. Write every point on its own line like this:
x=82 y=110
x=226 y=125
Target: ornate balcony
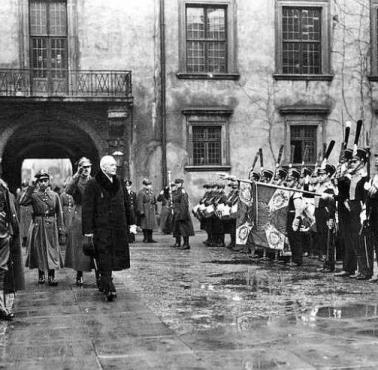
x=81 y=85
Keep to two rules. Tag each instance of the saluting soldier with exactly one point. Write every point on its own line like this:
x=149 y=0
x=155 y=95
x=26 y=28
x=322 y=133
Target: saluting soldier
x=351 y=197
x=75 y=258
x=147 y=208
x=182 y=222
x=46 y=232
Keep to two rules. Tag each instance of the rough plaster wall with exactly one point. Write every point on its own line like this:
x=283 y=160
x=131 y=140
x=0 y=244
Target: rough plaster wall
x=119 y=34
x=9 y=34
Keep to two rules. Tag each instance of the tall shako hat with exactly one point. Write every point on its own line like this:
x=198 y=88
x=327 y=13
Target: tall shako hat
x=294 y=173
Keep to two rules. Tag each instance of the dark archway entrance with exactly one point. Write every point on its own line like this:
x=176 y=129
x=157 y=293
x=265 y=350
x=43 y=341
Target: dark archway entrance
x=45 y=139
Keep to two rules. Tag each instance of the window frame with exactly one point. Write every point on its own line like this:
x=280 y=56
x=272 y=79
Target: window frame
x=230 y=9
x=325 y=32
x=208 y=117
x=315 y=125
x=72 y=35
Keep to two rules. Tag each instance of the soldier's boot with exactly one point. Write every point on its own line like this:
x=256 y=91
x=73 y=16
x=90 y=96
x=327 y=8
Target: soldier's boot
x=41 y=277
x=51 y=278
x=5 y=313
x=145 y=236
x=79 y=278
x=177 y=243
x=186 y=243
x=149 y=237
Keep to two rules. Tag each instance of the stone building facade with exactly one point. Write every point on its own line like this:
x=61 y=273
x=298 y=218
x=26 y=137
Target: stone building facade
x=189 y=86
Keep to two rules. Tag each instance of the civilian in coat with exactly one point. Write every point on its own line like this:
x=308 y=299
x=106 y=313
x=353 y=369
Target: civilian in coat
x=182 y=222
x=133 y=210
x=46 y=231
x=105 y=217
x=75 y=258
x=147 y=208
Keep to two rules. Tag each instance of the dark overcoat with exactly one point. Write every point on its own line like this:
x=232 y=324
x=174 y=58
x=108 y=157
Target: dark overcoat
x=182 y=222
x=105 y=214
x=133 y=207
x=147 y=209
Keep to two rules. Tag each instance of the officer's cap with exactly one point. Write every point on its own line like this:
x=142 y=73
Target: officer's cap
x=179 y=181
x=348 y=153
x=42 y=174
x=267 y=173
x=84 y=162
x=294 y=173
x=128 y=182
x=281 y=172
x=146 y=182
x=255 y=176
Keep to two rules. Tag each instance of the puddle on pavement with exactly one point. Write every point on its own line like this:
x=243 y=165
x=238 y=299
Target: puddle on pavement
x=354 y=311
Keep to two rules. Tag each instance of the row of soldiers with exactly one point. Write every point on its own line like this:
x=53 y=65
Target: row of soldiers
x=334 y=211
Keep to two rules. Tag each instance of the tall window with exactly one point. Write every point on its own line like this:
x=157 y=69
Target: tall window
x=301 y=40
x=303 y=141
x=48 y=43
x=206 y=39
x=207 y=145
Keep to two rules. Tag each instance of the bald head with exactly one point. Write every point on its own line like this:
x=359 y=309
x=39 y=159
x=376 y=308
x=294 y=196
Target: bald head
x=108 y=165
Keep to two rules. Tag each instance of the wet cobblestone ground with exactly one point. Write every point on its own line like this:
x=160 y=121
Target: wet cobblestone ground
x=207 y=308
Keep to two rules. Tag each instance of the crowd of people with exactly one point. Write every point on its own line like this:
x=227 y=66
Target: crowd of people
x=332 y=214
x=86 y=225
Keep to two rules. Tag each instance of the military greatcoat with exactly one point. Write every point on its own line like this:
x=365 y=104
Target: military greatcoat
x=43 y=243
x=147 y=209
x=182 y=222
x=75 y=258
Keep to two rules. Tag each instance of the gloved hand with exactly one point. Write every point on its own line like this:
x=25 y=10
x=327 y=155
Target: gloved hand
x=296 y=223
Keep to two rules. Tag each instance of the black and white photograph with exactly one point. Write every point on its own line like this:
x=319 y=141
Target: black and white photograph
x=188 y=184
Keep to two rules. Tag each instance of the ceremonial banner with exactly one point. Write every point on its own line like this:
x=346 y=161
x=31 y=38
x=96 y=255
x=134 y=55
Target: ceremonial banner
x=271 y=217
x=245 y=214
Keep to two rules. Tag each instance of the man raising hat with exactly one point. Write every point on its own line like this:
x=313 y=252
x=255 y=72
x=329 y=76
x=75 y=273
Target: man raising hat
x=182 y=222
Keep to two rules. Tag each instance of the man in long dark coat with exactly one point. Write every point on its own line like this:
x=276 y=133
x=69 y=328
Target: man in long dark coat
x=45 y=234
x=133 y=210
x=147 y=208
x=182 y=222
x=11 y=270
x=105 y=217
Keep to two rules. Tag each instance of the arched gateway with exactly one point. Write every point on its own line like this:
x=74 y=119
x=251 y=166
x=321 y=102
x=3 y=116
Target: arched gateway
x=55 y=130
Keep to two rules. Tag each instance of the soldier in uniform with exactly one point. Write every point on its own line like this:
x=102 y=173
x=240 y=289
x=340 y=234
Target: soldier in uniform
x=216 y=222
x=147 y=207
x=204 y=224
x=325 y=212
x=294 y=218
x=280 y=176
x=25 y=216
x=75 y=258
x=67 y=206
x=133 y=210
x=229 y=225
x=266 y=176
x=11 y=272
x=351 y=197
x=182 y=222
x=46 y=232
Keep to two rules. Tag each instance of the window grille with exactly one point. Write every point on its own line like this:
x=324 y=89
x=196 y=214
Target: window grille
x=301 y=40
x=303 y=136
x=207 y=145
x=206 y=39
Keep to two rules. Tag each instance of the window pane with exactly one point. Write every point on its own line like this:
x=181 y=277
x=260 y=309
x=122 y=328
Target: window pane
x=207 y=145
x=311 y=24
x=290 y=24
x=39 y=57
x=195 y=23
x=38 y=18
x=216 y=56
x=216 y=25
x=290 y=58
x=302 y=137
x=58 y=57
x=195 y=55
x=57 y=14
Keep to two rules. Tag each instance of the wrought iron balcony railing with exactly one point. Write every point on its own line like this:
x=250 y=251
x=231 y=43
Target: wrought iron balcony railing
x=64 y=83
